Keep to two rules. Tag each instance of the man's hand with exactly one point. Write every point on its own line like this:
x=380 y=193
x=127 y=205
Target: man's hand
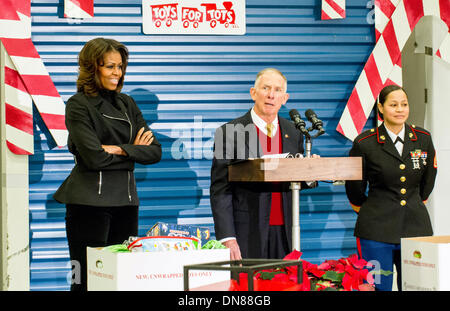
x=143 y=138
x=235 y=252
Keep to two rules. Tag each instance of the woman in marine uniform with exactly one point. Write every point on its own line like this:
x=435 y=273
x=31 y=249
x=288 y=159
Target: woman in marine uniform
x=399 y=165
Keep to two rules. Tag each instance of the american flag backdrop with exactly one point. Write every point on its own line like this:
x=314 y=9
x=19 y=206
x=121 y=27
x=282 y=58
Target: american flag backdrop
x=393 y=28
x=26 y=81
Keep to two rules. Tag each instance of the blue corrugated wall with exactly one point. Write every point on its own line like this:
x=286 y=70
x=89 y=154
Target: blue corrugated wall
x=186 y=87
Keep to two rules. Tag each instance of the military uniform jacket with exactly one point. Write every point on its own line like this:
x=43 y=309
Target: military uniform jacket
x=100 y=178
x=398 y=185
x=242 y=209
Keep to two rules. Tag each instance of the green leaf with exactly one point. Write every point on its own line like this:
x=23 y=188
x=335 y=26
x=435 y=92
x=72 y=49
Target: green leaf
x=313 y=286
x=269 y=275
x=333 y=276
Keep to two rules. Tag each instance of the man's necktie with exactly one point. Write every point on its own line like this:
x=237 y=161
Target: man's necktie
x=269 y=128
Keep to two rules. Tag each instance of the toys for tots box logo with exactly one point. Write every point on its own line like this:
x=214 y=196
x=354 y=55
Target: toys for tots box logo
x=193 y=17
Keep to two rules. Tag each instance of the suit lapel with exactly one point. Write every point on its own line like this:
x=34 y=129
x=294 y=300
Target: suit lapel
x=252 y=153
x=289 y=145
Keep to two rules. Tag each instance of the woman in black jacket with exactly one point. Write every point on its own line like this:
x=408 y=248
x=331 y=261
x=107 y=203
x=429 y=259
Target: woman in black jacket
x=399 y=165
x=107 y=136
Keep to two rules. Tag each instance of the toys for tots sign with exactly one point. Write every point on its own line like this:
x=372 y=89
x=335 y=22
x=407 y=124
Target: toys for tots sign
x=196 y=17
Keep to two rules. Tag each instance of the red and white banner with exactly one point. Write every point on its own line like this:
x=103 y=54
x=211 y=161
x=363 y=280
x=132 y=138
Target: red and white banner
x=194 y=17
x=383 y=13
x=79 y=8
x=333 y=9
x=384 y=63
x=18 y=112
x=27 y=79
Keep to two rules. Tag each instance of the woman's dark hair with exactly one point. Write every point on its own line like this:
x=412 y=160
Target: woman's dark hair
x=91 y=57
x=384 y=94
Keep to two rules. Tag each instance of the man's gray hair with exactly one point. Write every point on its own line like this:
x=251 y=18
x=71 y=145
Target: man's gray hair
x=265 y=70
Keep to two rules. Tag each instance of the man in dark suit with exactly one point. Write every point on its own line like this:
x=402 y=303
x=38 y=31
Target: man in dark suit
x=254 y=220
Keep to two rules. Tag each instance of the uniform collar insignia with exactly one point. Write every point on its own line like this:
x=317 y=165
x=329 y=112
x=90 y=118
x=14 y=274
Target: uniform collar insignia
x=380 y=138
x=411 y=132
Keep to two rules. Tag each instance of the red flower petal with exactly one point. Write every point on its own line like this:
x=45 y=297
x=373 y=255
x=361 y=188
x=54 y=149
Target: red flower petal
x=294 y=255
x=317 y=272
x=324 y=266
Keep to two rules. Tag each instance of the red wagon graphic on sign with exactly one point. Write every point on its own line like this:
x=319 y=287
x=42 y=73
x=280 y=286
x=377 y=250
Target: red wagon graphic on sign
x=225 y=16
x=191 y=16
x=164 y=13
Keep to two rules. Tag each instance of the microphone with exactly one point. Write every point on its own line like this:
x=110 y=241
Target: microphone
x=316 y=122
x=298 y=122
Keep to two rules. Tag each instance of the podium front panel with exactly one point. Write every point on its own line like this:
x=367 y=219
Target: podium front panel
x=294 y=169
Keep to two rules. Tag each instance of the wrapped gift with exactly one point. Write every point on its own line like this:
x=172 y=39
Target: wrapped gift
x=167 y=229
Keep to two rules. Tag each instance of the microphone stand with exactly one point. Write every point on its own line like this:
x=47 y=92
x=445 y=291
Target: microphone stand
x=308 y=145
x=295 y=187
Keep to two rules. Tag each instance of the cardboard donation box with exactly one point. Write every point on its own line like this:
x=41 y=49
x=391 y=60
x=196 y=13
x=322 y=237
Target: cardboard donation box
x=148 y=271
x=426 y=263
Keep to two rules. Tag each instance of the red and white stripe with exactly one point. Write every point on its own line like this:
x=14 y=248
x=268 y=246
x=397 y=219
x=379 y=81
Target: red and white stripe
x=333 y=9
x=383 y=12
x=26 y=77
x=381 y=63
x=18 y=112
x=79 y=8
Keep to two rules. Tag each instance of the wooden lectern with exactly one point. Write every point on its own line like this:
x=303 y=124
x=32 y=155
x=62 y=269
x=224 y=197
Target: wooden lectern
x=295 y=170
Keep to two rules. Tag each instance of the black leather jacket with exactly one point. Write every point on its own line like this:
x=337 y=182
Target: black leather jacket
x=100 y=178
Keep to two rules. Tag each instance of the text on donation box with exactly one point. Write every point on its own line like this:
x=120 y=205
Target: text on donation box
x=151 y=270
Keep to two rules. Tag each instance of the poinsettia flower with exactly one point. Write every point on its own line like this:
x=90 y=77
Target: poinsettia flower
x=343 y=274
x=312 y=268
x=358 y=263
x=294 y=255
